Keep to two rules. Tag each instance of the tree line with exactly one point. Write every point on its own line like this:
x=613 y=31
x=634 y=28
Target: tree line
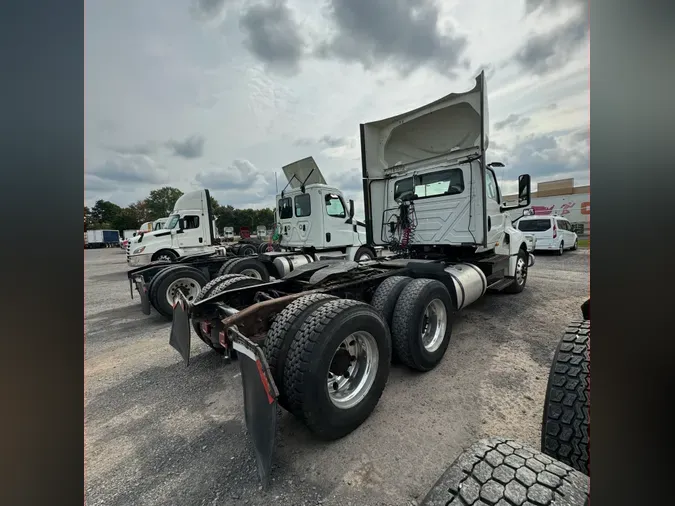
x=159 y=204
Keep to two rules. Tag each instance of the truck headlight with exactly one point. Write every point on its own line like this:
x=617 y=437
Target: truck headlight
x=138 y=251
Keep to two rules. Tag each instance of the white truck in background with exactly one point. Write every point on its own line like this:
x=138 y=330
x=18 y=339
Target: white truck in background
x=188 y=230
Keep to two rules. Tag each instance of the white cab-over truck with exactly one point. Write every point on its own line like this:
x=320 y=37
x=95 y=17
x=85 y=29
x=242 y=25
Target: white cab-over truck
x=320 y=340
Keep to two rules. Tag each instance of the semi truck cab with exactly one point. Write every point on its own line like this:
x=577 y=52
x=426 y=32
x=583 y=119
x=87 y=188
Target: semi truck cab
x=312 y=214
x=189 y=229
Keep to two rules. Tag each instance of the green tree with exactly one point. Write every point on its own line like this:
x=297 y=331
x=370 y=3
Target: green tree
x=127 y=219
x=160 y=202
x=104 y=212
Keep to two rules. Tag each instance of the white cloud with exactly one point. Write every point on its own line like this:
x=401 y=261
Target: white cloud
x=207 y=92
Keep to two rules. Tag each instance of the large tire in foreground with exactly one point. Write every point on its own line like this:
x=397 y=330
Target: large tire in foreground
x=503 y=472
x=205 y=292
x=282 y=333
x=520 y=280
x=422 y=324
x=347 y=342
x=184 y=278
x=565 y=432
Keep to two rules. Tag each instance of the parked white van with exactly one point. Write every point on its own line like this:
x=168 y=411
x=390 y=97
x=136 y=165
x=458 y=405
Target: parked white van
x=553 y=233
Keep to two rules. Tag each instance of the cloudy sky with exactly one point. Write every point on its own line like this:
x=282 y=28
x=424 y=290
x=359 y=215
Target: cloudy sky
x=222 y=93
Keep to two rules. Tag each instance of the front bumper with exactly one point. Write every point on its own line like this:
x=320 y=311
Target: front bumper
x=139 y=260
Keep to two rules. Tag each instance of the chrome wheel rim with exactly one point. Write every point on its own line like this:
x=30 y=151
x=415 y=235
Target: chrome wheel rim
x=352 y=370
x=364 y=257
x=434 y=325
x=165 y=258
x=521 y=271
x=188 y=286
x=251 y=273
x=561 y=248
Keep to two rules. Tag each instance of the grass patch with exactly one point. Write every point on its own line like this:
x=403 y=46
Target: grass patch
x=584 y=243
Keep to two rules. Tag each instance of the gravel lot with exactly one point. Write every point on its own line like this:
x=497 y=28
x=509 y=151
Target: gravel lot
x=157 y=432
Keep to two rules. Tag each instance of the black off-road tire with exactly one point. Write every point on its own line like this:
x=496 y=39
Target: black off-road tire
x=503 y=472
x=283 y=331
x=225 y=265
x=565 y=432
x=310 y=357
x=516 y=287
x=250 y=264
x=364 y=250
x=169 y=275
x=406 y=327
x=205 y=291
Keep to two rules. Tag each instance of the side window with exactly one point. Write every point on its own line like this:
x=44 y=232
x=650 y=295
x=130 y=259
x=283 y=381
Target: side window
x=191 y=222
x=444 y=182
x=285 y=208
x=491 y=186
x=334 y=206
x=302 y=206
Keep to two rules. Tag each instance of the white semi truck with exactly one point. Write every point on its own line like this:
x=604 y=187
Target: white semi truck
x=319 y=341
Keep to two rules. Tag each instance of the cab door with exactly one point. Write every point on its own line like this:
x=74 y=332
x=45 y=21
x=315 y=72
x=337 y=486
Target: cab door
x=496 y=220
x=337 y=232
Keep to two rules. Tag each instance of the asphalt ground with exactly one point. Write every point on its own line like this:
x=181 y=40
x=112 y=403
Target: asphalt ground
x=158 y=433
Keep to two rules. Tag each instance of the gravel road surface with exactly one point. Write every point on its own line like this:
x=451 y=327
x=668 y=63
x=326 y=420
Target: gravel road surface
x=158 y=433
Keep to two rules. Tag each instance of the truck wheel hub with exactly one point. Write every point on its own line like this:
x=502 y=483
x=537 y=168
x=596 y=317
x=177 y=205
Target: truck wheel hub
x=352 y=370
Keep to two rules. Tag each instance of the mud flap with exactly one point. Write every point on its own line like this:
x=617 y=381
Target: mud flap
x=142 y=288
x=180 y=328
x=260 y=401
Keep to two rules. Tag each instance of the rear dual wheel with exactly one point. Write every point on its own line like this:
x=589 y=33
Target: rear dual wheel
x=330 y=359
x=166 y=285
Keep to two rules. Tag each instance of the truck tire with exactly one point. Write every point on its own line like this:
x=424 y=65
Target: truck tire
x=205 y=291
x=503 y=472
x=345 y=341
x=264 y=248
x=566 y=422
x=165 y=254
x=251 y=267
x=520 y=280
x=363 y=254
x=283 y=331
x=247 y=250
x=385 y=298
x=152 y=293
x=187 y=279
x=226 y=263
x=422 y=324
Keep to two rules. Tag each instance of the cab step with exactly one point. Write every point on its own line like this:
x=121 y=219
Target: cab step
x=500 y=284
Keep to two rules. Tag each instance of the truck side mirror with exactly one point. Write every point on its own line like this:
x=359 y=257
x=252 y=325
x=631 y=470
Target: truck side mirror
x=524 y=184
x=351 y=209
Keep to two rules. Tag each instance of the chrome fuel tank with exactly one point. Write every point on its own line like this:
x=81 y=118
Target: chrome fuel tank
x=470 y=283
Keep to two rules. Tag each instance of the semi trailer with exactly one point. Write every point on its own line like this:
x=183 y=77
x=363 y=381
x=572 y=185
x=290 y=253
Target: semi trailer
x=319 y=227
x=101 y=239
x=319 y=340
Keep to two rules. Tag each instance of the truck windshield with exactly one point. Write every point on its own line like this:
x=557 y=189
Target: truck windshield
x=172 y=222
x=537 y=225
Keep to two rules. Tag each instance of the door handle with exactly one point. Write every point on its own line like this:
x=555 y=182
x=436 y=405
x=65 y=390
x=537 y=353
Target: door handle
x=200 y=239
